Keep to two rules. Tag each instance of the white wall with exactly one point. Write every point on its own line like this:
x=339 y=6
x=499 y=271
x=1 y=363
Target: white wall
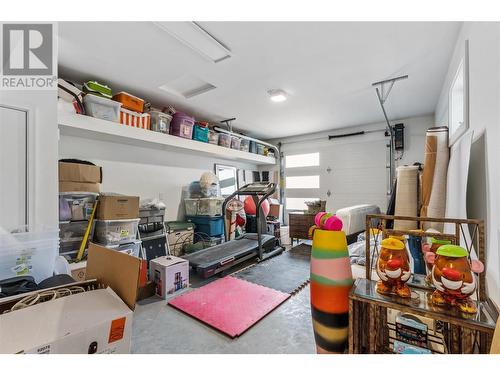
x=148 y=173
x=42 y=122
x=484 y=119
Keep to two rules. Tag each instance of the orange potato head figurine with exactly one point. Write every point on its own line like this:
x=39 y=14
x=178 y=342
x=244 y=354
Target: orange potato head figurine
x=452 y=275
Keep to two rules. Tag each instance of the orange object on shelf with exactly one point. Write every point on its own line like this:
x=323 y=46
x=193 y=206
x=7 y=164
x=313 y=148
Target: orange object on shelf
x=135 y=119
x=130 y=102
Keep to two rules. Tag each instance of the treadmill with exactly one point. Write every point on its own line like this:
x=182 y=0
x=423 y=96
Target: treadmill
x=218 y=258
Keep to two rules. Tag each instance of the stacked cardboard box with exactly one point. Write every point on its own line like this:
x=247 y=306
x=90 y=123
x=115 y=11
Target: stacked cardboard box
x=79 y=177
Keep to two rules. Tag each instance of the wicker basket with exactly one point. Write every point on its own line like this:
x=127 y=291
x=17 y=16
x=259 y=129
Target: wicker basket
x=314 y=207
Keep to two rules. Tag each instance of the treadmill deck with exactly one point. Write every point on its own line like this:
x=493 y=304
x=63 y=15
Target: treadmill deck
x=218 y=253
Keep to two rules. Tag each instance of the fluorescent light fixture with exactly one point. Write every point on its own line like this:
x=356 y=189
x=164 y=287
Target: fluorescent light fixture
x=277 y=95
x=198 y=39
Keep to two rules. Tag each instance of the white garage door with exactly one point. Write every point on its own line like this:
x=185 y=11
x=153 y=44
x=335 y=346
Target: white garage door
x=340 y=172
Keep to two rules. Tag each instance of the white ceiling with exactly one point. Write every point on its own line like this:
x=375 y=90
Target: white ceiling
x=326 y=67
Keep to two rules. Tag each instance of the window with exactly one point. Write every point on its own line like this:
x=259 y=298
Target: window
x=302 y=160
x=302 y=182
x=298 y=203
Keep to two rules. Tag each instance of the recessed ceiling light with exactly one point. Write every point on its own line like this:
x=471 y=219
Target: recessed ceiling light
x=277 y=95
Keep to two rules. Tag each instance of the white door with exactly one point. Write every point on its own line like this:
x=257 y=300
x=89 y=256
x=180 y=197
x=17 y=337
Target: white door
x=13 y=168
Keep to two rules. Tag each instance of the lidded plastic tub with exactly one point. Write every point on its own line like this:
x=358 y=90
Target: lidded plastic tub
x=261 y=149
x=115 y=232
x=212 y=226
x=182 y=125
x=32 y=252
x=235 y=142
x=253 y=147
x=245 y=145
x=130 y=102
x=213 y=137
x=102 y=108
x=76 y=205
x=203 y=206
x=200 y=132
x=160 y=122
x=224 y=140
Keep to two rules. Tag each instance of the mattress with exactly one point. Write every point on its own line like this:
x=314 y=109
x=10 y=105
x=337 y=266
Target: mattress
x=354 y=217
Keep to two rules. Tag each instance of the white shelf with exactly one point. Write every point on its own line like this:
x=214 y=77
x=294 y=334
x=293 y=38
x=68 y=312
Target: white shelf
x=93 y=128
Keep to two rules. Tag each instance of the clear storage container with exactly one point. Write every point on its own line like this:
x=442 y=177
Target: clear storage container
x=245 y=145
x=182 y=125
x=261 y=149
x=79 y=205
x=203 y=206
x=213 y=137
x=32 y=252
x=224 y=140
x=160 y=122
x=99 y=107
x=235 y=142
x=133 y=248
x=115 y=232
x=72 y=230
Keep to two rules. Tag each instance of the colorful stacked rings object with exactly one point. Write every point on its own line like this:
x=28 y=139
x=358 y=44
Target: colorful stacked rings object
x=331 y=281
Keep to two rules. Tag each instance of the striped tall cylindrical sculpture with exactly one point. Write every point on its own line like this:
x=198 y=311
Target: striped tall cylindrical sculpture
x=331 y=281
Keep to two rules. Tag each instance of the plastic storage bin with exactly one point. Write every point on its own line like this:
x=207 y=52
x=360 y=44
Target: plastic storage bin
x=261 y=149
x=245 y=145
x=179 y=234
x=235 y=142
x=160 y=122
x=200 y=133
x=212 y=226
x=31 y=252
x=72 y=230
x=182 y=125
x=115 y=232
x=213 y=137
x=224 y=140
x=96 y=88
x=130 y=102
x=76 y=205
x=253 y=147
x=102 y=108
x=135 y=119
x=133 y=248
x=204 y=206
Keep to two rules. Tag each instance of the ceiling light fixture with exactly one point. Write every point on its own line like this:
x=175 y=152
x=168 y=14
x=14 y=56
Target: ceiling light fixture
x=198 y=39
x=277 y=95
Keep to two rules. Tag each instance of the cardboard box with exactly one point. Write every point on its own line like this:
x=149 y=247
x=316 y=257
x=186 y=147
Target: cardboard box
x=80 y=172
x=117 y=207
x=70 y=186
x=170 y=274
x=98 y=320
x=274 y=208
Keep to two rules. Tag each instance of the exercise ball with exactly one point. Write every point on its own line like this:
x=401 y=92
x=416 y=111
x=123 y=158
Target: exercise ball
x=250 y=208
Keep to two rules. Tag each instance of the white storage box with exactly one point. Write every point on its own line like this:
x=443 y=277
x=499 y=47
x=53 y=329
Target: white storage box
x=160 y=122
x=115 y=232
x=354 y=217
x=170 y=274
x=105 y=109
x=28 y=253
x=203 y=206
x=97 y=321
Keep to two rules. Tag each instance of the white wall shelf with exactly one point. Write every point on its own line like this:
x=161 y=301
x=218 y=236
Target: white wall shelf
x=93 y=128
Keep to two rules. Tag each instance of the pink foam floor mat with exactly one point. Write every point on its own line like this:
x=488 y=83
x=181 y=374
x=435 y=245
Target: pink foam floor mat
x=229 y=304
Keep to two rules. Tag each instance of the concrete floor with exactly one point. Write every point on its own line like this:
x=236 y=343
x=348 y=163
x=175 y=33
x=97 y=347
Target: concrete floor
x=159 y=328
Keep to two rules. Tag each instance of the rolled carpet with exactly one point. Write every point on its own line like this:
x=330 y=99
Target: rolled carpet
x=331 y=281
x=406 y=197
x=437 y=155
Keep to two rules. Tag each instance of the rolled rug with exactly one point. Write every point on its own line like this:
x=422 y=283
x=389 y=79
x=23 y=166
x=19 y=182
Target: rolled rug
x=406 y=197
x=331 y=281
x=436 y=160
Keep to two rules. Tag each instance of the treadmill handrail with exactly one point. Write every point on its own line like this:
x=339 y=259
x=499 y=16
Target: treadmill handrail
x=271 y=188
